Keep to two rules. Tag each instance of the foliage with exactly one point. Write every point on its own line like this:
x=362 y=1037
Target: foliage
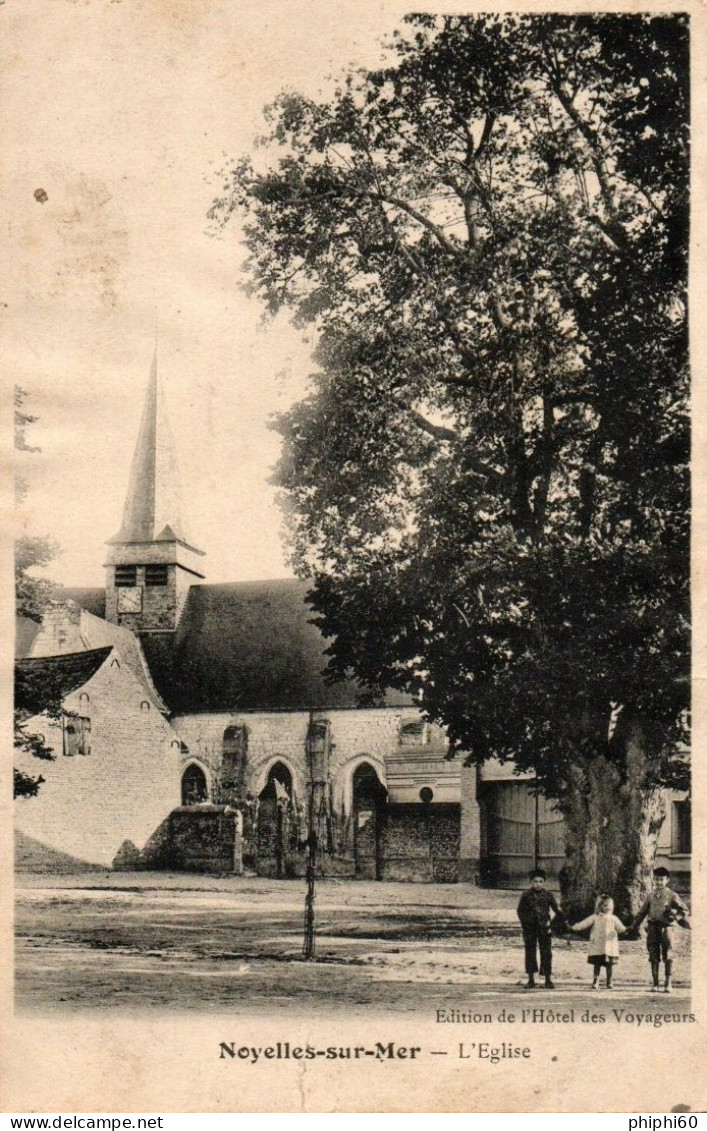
x=31 y=595
x=489 y=481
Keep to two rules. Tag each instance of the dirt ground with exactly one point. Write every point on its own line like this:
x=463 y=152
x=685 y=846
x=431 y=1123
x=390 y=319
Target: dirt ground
x=135 y=941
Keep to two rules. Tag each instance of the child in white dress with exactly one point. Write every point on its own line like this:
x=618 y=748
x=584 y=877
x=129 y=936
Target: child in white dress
x=603 y=939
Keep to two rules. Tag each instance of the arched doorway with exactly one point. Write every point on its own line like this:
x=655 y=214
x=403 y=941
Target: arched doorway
x=194 y=788
x=274 y=811
x=369 y=812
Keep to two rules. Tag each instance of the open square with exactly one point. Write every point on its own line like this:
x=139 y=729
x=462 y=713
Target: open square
x=156 y=941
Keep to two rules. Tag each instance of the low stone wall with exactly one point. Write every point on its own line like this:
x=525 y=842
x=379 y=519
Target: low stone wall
x=205 y=839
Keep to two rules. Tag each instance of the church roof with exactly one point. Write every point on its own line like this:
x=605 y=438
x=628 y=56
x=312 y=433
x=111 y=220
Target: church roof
x=99 y=633
x=47 y=680
x=25 y=635
x=153 y=510
x=247 y=646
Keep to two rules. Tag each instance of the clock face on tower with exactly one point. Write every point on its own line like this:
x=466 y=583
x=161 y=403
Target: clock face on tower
x=130 y=600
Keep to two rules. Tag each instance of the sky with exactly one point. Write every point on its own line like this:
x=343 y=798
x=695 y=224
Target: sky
x=123 y=112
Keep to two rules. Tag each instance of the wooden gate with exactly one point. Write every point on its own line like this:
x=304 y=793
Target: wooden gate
x=520 y=830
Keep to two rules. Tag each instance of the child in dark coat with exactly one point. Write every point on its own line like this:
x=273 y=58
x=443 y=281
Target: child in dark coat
x=536 y=909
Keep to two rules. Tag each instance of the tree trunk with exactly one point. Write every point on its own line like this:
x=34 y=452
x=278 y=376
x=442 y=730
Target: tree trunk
x=613 y=816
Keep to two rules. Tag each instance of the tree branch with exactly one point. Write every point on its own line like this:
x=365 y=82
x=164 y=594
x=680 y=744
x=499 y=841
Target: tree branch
x=437 y=431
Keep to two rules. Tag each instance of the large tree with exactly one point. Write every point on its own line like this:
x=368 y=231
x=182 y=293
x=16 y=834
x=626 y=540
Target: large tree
x=489 y=482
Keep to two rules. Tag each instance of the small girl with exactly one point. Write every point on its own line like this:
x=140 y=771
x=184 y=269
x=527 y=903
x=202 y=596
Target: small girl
x=604 y=938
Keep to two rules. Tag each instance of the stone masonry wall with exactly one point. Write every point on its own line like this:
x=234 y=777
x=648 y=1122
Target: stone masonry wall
x=159 y=603
x=89 y=805
x=418 y=843
x=357 y=736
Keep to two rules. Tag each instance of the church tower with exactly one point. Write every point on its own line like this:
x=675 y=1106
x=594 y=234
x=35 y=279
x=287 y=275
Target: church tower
x=151 y=561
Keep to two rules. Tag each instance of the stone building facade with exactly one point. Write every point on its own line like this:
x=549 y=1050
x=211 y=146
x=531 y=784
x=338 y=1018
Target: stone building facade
x=115 y=774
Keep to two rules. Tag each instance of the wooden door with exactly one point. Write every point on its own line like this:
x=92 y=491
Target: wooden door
x=520 y=830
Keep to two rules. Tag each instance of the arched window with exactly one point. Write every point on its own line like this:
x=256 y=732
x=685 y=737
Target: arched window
x=278 y=784
x=194 y=789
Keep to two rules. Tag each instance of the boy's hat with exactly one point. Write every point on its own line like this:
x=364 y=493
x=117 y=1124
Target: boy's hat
x=538 y=872
x=661 y=872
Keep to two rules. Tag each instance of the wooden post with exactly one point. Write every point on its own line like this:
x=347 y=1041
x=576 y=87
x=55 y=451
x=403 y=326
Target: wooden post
x=309 y=947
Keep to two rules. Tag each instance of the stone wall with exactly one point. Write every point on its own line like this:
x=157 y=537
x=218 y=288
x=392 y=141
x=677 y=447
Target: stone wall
x=422 y=843
x=357 y=736
x=204 y=839
x=89 y=805
x=415 y=842
x=159 y=602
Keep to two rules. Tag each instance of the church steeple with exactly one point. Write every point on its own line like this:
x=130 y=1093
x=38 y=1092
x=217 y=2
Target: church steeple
x=153 y=510
x=151 y=561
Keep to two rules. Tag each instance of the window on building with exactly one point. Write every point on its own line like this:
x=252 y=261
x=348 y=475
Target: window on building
x=156 y=575
x=235 y=743
x=77 y=735
x=125 y=576
x=194 y=789
x=235 y=752
x=682 y=828
x=414 y=733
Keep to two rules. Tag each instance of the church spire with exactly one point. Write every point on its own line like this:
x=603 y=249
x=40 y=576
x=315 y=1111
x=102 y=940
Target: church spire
x=151 y=563
x=153 y=510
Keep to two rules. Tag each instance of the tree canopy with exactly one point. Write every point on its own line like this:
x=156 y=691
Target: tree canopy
x=489 y=482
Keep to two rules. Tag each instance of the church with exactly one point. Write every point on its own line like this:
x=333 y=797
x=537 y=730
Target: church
x=197 y=731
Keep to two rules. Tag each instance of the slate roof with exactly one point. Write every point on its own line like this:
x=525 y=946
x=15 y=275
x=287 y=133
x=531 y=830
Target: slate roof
x=95 y=632
x=26 y=631
x=99 y=633
x=47 y=680
x=247 y=646
x=154 y=510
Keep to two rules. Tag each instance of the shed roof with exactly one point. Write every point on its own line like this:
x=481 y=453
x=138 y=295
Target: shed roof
x=45 y=681
x=26 y=631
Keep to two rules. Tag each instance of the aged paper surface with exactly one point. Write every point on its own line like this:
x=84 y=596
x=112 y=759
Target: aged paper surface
x=121 y=112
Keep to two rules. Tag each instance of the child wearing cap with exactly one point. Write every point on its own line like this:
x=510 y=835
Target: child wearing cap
x=663 y=907
x=536 y=909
